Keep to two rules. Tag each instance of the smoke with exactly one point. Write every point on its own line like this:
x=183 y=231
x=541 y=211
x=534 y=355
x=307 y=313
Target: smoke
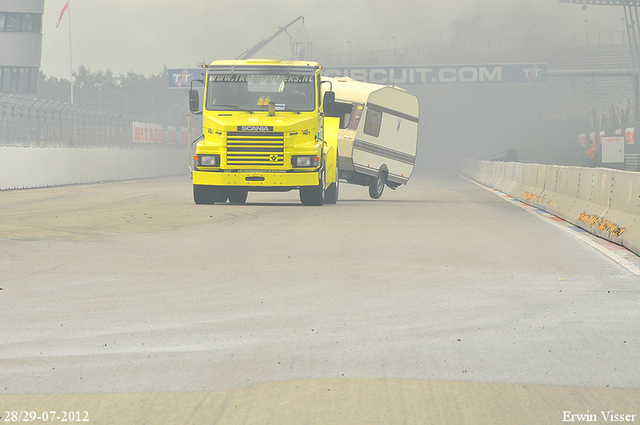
x=144 y=35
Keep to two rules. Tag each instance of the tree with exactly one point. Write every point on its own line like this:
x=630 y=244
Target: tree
x=131 y=93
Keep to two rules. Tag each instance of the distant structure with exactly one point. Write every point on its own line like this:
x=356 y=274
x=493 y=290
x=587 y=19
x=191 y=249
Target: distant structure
x=20 y=45
x=632 y=22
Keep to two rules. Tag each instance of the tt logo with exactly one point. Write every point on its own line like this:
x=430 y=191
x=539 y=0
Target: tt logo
x=532 y=73
x=273 y=158
x=182 y=79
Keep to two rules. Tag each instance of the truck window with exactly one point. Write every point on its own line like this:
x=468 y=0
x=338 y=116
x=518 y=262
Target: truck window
x=349 y=114
x=343 y=111
x=372 y=122
x=356 y=115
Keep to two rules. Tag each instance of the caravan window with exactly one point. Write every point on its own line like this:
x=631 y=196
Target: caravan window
x=372 y=122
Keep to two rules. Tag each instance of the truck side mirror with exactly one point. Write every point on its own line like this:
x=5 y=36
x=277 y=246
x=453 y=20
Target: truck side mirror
x=328 y=101
x=194 y=101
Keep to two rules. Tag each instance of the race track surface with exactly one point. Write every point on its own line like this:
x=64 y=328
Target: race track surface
x=438 y=303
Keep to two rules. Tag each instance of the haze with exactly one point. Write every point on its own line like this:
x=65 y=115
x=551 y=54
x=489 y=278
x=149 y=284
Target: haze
x=144 y=35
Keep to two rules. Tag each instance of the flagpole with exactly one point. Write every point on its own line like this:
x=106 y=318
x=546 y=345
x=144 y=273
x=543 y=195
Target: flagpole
x=70 y=52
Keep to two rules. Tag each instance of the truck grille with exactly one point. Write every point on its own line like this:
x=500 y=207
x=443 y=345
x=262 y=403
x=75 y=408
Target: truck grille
x=255 y=148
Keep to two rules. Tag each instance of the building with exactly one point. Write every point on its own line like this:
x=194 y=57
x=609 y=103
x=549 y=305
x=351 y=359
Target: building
x=20 y=45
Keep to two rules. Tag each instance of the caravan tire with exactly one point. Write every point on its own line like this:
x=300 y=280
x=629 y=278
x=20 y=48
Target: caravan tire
x=376 y=185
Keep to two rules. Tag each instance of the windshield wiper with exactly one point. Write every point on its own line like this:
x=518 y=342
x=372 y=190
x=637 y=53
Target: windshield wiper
x=284 y=107
x=236 y=107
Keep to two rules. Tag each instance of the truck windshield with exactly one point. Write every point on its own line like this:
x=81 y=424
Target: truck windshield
x=255 y=92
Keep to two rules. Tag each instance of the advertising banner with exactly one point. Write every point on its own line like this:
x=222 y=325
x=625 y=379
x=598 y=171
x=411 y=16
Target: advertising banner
x=582 y=139
x=147 y=133
x=156 y=133
x=629 y=135
x=445 y=74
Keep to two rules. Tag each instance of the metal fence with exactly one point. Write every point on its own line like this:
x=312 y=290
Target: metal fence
x=35 y=123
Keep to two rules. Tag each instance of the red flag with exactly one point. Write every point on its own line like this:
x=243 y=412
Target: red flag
x=64 y=9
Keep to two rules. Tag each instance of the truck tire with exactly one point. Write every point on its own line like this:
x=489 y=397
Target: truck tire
x=203 y=195
x=314 y=195
x=238 y=195
x=376 y=185
x=221 y=194
x=332 y=192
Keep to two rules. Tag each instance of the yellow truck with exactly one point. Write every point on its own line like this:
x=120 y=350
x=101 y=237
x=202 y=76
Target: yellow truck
x=264 y=129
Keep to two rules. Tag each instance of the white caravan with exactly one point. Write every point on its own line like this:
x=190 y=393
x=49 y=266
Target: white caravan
x=378 y=135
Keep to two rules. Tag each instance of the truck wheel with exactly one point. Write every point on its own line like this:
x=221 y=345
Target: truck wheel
x=376 y=185
x=221 y=194
x=314 y=195
x=331 y=195
x=204 y=195
x=238 y=195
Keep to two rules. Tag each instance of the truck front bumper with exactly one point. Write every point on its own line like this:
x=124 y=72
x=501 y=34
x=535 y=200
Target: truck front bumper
x=256 y=179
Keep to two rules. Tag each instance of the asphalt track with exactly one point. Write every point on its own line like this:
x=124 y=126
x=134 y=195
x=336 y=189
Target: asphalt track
x=439 y=303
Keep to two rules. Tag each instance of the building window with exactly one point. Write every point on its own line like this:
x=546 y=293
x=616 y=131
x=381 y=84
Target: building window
x=13 y=22
x=372 y=122
x=21 y=22
x=19 y=80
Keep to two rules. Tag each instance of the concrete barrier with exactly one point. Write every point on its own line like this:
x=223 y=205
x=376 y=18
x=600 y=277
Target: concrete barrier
x=517 y=181
x=496 y=174
x=624 y=210
x=602 y=201
x=39 y=167
x=501 y=175
x=511 y=177
x=566 y=194
x=531 y=185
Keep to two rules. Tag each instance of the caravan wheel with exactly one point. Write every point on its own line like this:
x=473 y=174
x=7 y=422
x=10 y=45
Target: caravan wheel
x=376 y=185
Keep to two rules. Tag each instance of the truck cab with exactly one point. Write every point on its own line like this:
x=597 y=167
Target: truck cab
x=264 y=130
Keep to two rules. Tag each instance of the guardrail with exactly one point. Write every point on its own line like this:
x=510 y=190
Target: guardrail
x=602 y=201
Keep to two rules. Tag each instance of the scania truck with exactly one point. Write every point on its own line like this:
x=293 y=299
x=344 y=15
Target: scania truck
x=265 y=129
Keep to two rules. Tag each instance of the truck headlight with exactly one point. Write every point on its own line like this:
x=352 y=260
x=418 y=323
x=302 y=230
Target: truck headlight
x=306 y=161
x=209 y=160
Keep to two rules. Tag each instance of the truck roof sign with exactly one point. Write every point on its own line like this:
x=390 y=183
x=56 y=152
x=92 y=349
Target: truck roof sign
x=261 y=69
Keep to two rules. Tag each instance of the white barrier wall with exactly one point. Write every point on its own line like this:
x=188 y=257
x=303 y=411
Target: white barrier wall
x=38 y=167
x=602 y=201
